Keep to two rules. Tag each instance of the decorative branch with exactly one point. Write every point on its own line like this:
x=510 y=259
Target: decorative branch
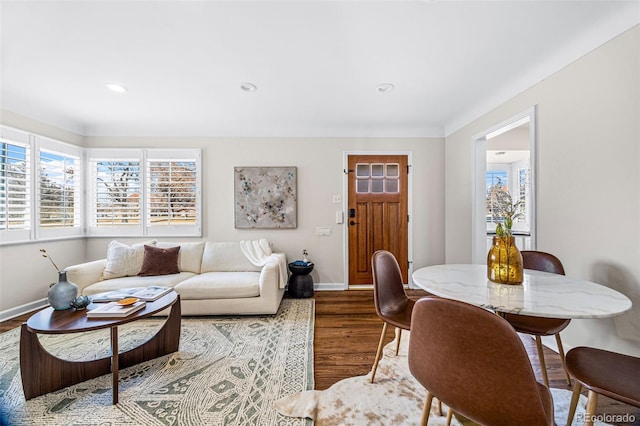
x=44 y=254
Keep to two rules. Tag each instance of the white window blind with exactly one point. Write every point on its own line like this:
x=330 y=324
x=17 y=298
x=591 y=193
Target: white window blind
x=153 y=192
x=15 y=186
x=173 y=195
x=59 y=189
x=172 y=192
x=130 y=192
x=115 y=192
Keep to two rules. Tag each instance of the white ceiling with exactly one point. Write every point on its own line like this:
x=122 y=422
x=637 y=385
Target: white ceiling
x=316 y=63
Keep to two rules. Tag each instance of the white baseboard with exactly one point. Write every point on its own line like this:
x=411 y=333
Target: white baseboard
x=360 y=287
x=23 y=309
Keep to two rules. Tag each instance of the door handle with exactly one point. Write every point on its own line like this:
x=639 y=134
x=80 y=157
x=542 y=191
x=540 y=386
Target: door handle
x=351 y=222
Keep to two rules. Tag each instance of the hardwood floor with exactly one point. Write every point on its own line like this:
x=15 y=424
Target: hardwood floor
x=347 y=330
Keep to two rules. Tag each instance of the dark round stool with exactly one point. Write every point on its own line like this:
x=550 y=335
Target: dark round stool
x=300 y=282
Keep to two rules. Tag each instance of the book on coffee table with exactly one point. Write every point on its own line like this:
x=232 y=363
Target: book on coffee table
x=114 y=310
x=148 y=294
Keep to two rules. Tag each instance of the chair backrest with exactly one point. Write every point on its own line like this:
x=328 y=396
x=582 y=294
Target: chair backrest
x=388 y=290
x=474 y=362
x=541 y=261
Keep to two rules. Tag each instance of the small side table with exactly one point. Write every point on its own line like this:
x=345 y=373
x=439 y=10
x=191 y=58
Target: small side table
x=300 y=282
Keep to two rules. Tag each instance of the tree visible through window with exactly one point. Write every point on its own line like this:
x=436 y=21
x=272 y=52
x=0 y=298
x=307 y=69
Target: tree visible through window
x=59 y=183
x=117 y=193
x=145 y=192
x=130 y=191
x=15 y=203
x=495 y=182
x=172 y=192
x=498 y=198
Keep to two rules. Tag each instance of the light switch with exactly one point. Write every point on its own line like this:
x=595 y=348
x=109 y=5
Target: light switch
x=339 y=217
x=323 y=231
x=337 y=199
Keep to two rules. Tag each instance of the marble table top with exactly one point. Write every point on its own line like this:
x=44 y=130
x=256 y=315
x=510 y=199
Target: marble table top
x=542 y=294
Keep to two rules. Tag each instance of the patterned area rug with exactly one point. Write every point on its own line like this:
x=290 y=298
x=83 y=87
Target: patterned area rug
x=228 y=371
x=395 y=398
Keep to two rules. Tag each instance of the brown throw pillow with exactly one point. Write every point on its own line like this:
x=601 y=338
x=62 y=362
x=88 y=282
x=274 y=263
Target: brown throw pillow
x=159 y=261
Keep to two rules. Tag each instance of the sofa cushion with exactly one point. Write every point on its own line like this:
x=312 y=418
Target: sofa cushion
x=189 y=257
x=123 y=260
x=220 y=285
x=225 y=257
x=129 y=282
x=159 y=261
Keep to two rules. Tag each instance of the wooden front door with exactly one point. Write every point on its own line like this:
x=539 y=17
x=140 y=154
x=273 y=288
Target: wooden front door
x=377 y=215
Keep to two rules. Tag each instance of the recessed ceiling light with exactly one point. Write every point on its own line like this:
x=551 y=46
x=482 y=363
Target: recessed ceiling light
x=385 y=87
x=116 y=87
x=248 y=87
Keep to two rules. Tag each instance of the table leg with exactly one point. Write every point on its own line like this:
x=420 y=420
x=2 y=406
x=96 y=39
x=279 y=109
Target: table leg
x=43 y=373
x=165 y=341
x=114 y=363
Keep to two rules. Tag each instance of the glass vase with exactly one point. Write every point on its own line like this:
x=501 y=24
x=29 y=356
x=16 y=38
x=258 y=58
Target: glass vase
x=504 y=261
x=62 y=294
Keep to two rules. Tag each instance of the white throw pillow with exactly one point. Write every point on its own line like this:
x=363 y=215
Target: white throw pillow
x=225 y=257
x=124 y=260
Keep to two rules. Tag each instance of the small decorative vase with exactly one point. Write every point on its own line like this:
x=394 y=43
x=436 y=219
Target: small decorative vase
x=62 y=294
x=504 y=261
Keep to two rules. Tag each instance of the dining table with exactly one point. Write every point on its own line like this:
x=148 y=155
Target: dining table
x=541 y=294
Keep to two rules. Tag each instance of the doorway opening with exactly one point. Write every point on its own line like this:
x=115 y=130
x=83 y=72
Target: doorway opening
x=504 y=163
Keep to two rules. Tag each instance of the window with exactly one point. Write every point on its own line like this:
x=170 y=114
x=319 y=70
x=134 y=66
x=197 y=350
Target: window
x=172 y=192
x=15 y=185
x=59 y=191
x=499 y=180
x=523 y=191
x=496 y=180
x=377 y=178
x=153 y=192
x=115 y=186
x=130 y=192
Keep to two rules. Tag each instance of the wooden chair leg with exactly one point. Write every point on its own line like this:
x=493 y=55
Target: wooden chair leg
x=561 y=353
x=590 y=412
x=440 y=408
x=379 y=351
x=543 y=365
x=399 y=335
x=424 y=421
x=449 y=416
x=575 y=397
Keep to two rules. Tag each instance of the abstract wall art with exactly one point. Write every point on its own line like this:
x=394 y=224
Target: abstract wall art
x=265 y=197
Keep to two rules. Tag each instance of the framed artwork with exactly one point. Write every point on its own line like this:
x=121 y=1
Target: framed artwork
x=265 y=197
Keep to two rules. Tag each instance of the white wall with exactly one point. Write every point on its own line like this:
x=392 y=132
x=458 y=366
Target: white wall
x=588 y=180
x=320 y=176
x=25 y=276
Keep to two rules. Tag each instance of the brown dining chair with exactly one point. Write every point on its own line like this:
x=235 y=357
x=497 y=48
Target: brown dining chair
x=393 y=306
x=602 y=372
x=474 y=362
x=538 y=326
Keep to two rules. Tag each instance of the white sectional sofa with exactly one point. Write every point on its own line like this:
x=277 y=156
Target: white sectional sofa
x=214 y=278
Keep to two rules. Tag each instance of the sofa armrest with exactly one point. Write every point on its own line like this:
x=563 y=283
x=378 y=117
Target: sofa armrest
x=270 y=280
x=85 y=274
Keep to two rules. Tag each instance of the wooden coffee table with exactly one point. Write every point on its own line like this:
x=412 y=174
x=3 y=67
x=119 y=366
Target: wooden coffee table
x=43 y=373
